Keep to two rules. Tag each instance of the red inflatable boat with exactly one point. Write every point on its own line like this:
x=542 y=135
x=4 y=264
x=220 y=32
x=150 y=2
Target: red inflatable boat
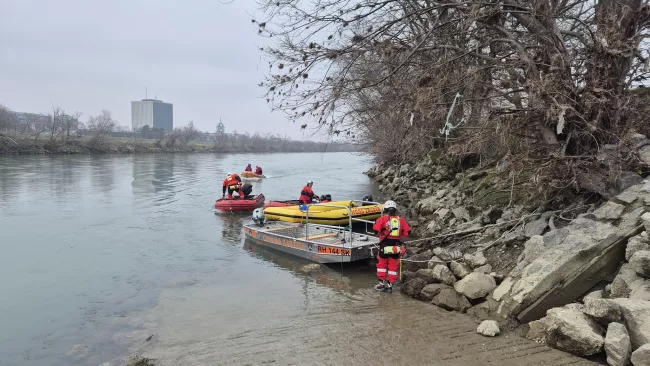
x=239 y=204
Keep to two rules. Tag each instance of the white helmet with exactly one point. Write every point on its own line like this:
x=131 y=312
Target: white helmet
x=390 y=204
x=310 y=182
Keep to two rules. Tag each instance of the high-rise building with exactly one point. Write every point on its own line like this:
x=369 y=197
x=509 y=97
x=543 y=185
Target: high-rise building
x=153 y=113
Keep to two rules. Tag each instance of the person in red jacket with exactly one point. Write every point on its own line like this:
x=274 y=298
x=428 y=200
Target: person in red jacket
x=232 y=183
x=248 y=168
x=258 y=170
x=392 y=230
x=307 y=195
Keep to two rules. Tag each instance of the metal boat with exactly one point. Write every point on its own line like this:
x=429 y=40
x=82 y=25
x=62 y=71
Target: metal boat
x=315 y=242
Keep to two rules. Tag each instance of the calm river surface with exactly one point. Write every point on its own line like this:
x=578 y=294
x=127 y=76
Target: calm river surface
x=104 y=256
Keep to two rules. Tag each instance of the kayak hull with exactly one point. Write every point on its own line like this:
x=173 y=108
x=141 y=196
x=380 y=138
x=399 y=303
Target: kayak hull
x=323 y=214
x=238 y=204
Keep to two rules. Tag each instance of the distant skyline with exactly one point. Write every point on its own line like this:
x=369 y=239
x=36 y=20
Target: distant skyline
x=202 y=56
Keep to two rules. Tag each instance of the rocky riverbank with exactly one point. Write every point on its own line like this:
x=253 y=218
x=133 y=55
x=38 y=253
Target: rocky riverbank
x=506 y=253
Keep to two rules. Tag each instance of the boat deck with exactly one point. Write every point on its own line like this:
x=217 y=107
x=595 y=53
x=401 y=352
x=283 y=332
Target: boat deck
x=319 y=234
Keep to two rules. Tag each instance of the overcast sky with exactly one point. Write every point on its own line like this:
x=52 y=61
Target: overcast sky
x=86 y=55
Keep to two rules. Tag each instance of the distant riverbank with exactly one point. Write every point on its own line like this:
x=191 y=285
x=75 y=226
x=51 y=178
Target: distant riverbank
x=15 y=146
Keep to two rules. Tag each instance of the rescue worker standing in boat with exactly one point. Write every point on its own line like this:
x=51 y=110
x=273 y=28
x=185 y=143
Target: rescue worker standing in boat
x=307 y=195
x=392 y=230
x=232 y=183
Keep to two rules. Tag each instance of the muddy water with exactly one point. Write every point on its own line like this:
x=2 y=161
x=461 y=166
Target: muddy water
x=104 y=256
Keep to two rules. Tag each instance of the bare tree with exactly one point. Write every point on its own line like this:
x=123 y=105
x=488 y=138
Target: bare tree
x=541 y=80
x=70 y=124
x=101 y=126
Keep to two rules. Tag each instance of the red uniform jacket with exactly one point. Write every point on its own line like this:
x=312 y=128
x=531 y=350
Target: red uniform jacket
x=248 y=169
x=306 y=195
x=258 y=170
x=384 y=232
x=234 y=182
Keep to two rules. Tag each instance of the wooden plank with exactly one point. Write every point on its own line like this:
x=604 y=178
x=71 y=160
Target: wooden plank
x=317 y=236
x=582 y=279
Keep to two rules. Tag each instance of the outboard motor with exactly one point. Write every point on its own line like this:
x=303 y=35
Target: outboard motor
x=366 y=198
x=247 y=189
x=258 y=217
x=328 y=197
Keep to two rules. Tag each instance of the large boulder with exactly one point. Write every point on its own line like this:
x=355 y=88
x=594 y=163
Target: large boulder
x=640 y=263
x=571 y=331
x=476 y=259
x=442 y=274
x=602 y=310
x=488 y=328
x=645 y=218
x=428 y=205
x=535 y=227
x=417 y=261
x=636 y=314
x=626 y=280
x=413 y=287
x=609 y=211
x=459 y=270
x=641 y=357
x=617 y=345
x=430 y=291
x=486 y=268
x=476 y=285
x=426 y=275
x=449 y=299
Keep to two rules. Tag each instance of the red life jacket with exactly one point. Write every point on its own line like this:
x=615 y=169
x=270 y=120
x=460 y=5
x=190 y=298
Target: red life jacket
x=248 y=169
x=258 y=170
x=306 y=195
x=232 y=181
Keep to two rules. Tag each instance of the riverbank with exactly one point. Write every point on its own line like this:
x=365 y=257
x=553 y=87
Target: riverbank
x=28 y=146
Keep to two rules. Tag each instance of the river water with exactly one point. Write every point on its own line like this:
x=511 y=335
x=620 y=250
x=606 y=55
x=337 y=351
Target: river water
x=104 y=256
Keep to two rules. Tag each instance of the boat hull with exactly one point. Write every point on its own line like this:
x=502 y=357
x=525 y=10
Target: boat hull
x=325 y=216
x=282 y=203
x=252 y=176
x=238 y=204
x=323 y=253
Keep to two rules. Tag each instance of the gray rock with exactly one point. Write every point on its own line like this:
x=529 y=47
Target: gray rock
x=602 y=310
x=626 y=180
x=430 y=291
x=503 y=288
x=626 y=280
x=446 y=254
x=635 y=244
x=413 y=287
x=533 y=247
x=627 y=197
x=461 y=213
x=426 y=275
x=641 y=357
x=486 y=269
x=442 y=274
x=428 y=205
x=536 y=227
x=645 y=218
x=449 y=299
x=434 y=261
x=598 y=294
x=617 y=345
x=636 y=314
x=442 y=213
x=640 y=290
x=475 y=260
x=640 y=263
x=537 y=331
x=568 y=329
x=488 y=328
x=609 y=211
x=476 y=285
x=459 y=270
x=491 y=215
x=481 y=311
x=631 y=219
x=419 y=261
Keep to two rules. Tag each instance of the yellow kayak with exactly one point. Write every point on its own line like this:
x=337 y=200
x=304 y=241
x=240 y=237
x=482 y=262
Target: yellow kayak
x=325 y=215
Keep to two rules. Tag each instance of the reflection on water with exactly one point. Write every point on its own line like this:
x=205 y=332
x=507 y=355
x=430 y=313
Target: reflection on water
x=92 y=244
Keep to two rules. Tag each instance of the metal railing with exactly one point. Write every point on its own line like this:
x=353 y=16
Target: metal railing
x=381 y=207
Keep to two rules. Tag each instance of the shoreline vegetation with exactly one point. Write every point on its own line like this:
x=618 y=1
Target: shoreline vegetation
x=62 y=133
x=17 y=146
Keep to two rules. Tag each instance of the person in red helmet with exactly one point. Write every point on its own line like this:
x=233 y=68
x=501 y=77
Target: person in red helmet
x=307 y=195
x=232 y=183
x=392 y=230
x=258 y=170
x=248 y=168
